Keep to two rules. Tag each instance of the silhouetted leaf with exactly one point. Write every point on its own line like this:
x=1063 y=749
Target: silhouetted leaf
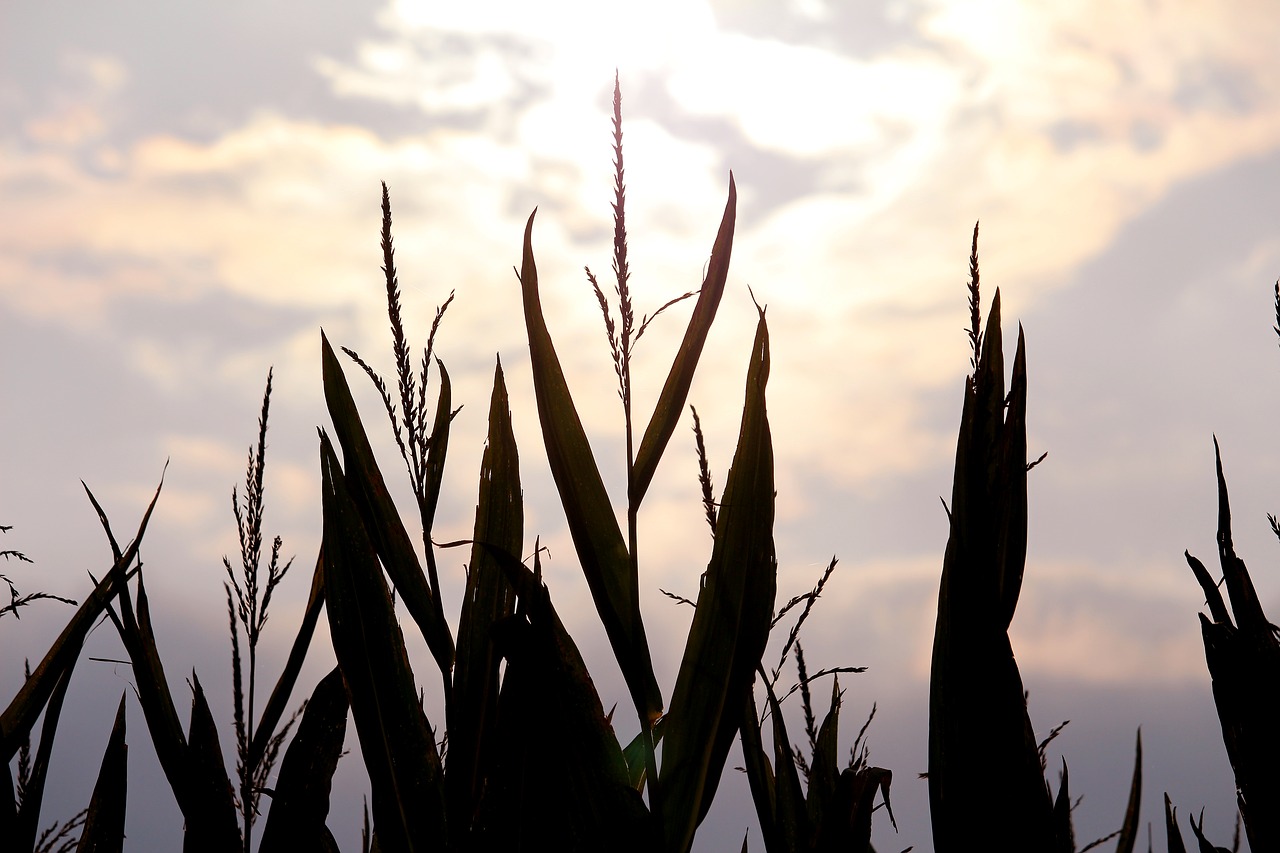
x=731 y=622
x=489 y=598
x=300 y=803
x=1173 y=836
x=279 y=700
x=104 y=821
x=1129 y=827
x=210 y=808
x=977 y=708
x=675 y=391
x=559 y=780
x=33 y=792
x=1244 y=662
x=395 y=738
x=384 y=527
x=597 y=538
x=21 y=714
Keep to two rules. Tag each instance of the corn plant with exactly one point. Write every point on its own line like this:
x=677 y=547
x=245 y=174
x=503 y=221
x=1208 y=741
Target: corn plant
x=43 y=691
x=977 y=704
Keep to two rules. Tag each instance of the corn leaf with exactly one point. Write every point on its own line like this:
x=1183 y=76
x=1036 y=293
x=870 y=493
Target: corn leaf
x=33 y=792
x=791 y=818
x=279 y=699
x=597 y=538
x=8 y=806
x=300 y=803
x=210 y=810
x=379 y=516
x=824 y=770
x=488 y=600
x=1063 y=834
x=104 y=821
x=977 y=708
x=395 y=738
x=846 y=824
x=189 y=772
x=155 y=698
x=675 y=391
x=1129 y=827
x=19 y=717
x=1173 y=835
x=730 y=624
x=1244 y=662
x=559 y=780
x=634 y=754
x=759 y=773
x=438 y=450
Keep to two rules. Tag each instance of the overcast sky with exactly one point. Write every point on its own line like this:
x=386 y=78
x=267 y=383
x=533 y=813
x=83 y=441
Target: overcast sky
x=189 y=192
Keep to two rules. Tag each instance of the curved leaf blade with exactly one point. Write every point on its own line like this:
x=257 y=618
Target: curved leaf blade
x=489 y=599
x=104 y=821
x=300 y=804
x=731 y=622
x=597 y=538
x=675 y=391
x=395 y=738
x=380 y=518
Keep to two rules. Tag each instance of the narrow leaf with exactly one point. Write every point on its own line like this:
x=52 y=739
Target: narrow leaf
x=379 y=516
x=488 y=600
x=104 y=821
x=581 y=800
x=824 y=770
x=978 y=714
x=759 y=773
x=210 y=809
x=597 y=538
x=300 y=803
x=731 y=622
x=675 y=391
x=1173 y=836
x=395 y=738
x=790 y=816
x=33 y=793
x=279 y=700
x=1129 y=827
x=21 y=714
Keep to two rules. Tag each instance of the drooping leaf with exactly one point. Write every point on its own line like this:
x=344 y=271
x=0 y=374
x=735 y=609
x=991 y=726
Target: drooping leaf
x=580 y=798
x=395 y=737
x=731 y=622
x=597 y=538
x=104 y=822
x=379 y=516
x=300 y=804
x=488 y=600
x=675 y=391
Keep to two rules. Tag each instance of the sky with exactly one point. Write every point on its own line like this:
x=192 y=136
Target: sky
x=189 y=193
